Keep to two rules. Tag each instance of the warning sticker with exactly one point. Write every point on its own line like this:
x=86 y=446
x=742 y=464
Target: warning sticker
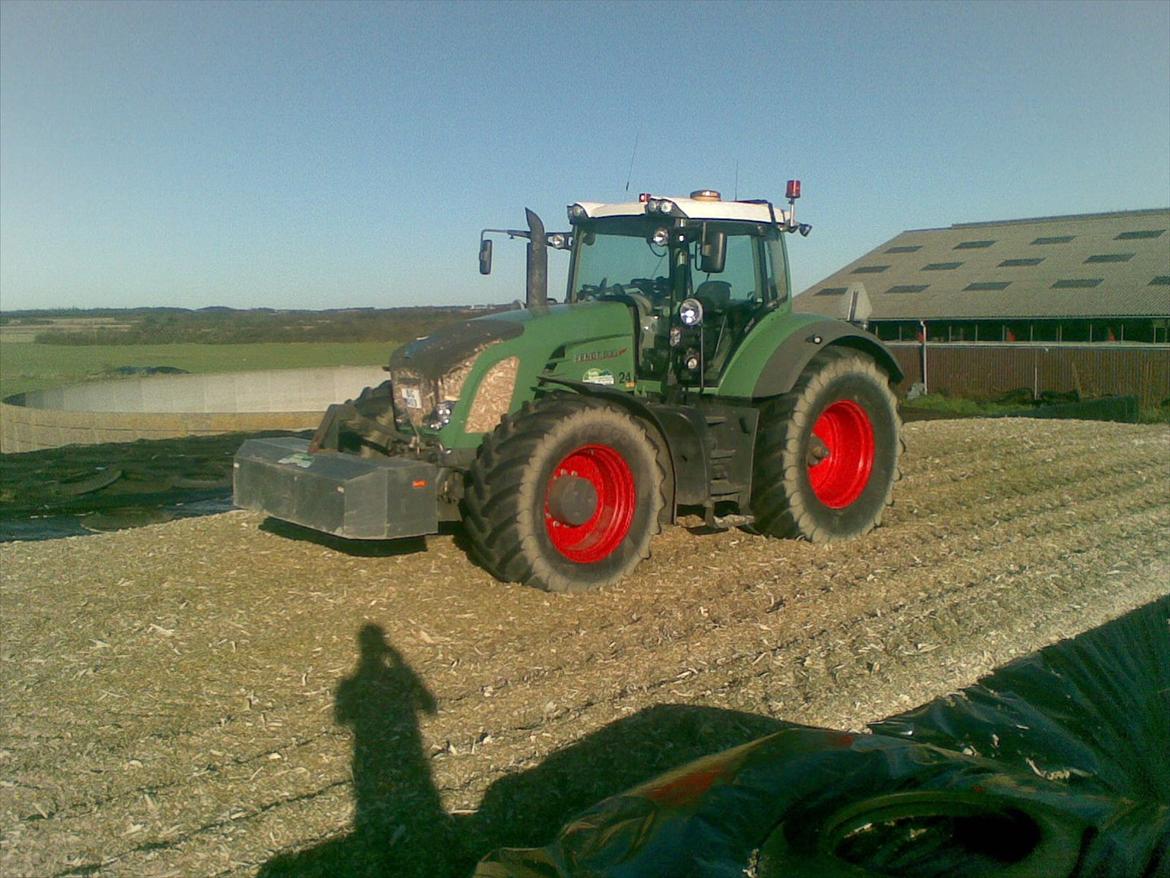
x=597 y=376
x=411 y=396
x=304 y=461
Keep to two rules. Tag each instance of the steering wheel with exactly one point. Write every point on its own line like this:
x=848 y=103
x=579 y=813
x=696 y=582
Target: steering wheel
x=658 y=288
x=632 y=296
x=592 y=291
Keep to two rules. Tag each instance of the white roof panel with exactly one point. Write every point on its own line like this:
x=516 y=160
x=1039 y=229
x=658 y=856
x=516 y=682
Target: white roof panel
x=692 y=208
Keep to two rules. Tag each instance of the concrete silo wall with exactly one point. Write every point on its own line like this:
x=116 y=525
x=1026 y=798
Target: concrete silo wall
x=168 y=406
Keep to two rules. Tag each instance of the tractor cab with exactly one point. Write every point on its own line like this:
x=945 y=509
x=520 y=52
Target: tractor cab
x=697 y=273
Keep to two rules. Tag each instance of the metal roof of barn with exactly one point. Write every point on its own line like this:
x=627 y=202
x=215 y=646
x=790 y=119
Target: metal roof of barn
x=1081 y=266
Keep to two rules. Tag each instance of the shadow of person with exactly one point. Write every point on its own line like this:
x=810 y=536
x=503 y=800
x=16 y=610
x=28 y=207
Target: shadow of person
x=400 y=827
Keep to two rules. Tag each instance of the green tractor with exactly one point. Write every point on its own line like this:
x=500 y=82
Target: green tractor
x=673 y=380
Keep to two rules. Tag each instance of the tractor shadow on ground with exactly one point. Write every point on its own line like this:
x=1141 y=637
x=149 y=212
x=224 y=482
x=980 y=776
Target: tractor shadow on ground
x=464 y=544
x=354 y=548
x=400 y=827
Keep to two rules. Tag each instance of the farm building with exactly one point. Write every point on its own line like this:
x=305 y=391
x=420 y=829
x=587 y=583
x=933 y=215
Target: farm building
x=1065 y=303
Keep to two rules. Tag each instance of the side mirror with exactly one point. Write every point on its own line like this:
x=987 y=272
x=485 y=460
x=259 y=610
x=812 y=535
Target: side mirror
x=712 y=251
x=485 y=256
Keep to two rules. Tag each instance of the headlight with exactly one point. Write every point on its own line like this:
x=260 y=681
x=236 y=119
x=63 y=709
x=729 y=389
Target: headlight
x=576 y=212
x=690 y=312
x=423 y=399
x=440 y=415
x=660 y=237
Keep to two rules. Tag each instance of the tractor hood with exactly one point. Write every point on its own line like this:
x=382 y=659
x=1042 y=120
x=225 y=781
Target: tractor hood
x=432 y=355
x=431 y=374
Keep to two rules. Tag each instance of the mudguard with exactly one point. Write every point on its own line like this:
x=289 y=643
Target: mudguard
x=778 y=349
x=794 y=353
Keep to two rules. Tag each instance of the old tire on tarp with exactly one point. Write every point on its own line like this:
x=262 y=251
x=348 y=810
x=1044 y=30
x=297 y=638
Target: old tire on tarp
x=769 y=804
x=925 y=832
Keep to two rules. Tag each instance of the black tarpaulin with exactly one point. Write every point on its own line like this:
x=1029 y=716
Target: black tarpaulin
x=1055 y=765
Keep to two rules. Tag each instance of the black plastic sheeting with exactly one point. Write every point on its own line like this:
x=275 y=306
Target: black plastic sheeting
x=1056 y=765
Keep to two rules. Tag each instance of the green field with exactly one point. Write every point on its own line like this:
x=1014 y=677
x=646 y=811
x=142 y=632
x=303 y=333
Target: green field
x=25 y=366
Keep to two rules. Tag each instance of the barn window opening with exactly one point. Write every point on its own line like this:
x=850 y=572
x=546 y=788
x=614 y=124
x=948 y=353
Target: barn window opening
x=896 y=330
x=1019 y=263
x=973 y=245
x=1140 y=234
x=1162 y=280
x=1055 y=239
x=1076 y=283
x=1044 y=330
x=908 y=288
x=908 y=248
x=941 y=266
x=831 y=291
x=870 y=269
x=985 y=286
x=1111 y=257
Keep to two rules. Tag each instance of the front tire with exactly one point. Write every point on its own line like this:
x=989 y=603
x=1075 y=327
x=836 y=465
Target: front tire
x=564 y=495
x=827 y=452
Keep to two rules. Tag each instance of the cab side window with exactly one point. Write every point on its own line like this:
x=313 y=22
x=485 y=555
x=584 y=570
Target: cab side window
x=741 y=278
x=777 y=270
x=741 y=270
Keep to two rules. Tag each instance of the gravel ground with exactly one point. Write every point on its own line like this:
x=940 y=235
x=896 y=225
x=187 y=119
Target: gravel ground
x=225 y=695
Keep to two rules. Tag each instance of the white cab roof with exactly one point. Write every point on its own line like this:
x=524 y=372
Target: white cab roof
x=692 y=208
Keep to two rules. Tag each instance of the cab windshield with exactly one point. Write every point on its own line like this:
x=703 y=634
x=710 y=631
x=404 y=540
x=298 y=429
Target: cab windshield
x=620 y=259
x=617 y=256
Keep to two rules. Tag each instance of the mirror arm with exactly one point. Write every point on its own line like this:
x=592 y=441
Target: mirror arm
x=511 y=233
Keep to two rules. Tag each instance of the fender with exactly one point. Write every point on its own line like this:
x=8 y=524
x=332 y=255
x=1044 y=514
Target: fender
x=788 y=360
x=683 y=430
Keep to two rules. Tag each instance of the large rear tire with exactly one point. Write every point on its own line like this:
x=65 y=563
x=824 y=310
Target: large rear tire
x=827 y=452
x=564 y=495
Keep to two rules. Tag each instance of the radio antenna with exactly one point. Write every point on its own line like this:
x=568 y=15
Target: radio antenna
x=630 y=175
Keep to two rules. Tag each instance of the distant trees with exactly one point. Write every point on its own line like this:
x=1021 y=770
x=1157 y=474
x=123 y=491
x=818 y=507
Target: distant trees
x=220 y=325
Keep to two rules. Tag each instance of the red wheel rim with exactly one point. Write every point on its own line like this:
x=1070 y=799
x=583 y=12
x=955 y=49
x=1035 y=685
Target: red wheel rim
x=847 y=433
x=617 y=496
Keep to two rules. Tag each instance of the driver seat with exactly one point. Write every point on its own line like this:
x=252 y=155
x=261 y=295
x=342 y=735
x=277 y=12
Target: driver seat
x=714 y=294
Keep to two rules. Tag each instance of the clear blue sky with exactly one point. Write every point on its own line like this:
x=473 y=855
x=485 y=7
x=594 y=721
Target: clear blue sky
x=331 y=154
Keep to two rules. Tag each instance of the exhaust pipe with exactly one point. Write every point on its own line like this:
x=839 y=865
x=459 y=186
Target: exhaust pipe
x=536 y=280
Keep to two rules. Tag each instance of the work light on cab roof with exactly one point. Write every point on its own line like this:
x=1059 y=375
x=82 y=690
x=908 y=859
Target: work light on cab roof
x=701 y=204
x=672 y=379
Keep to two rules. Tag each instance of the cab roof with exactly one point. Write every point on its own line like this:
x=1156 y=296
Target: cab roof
x=692 y=208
